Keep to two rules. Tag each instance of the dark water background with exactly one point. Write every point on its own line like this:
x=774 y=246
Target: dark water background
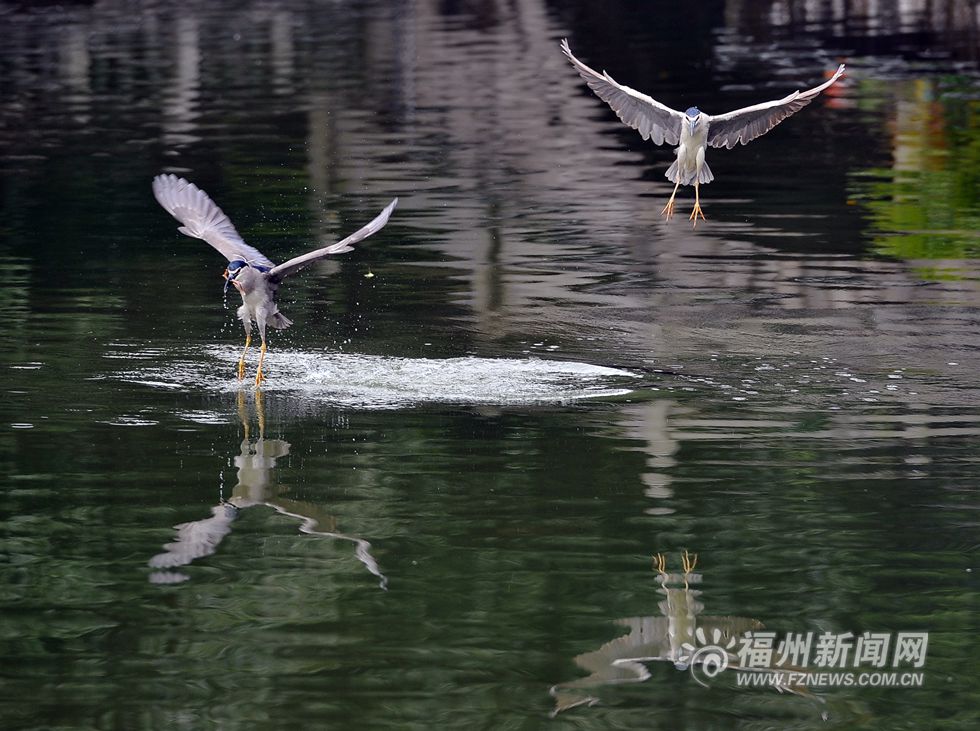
x=451 y=486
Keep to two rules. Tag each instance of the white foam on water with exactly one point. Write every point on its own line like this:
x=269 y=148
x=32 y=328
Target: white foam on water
x=204 y=417
x=371 y=381
x=127 y=420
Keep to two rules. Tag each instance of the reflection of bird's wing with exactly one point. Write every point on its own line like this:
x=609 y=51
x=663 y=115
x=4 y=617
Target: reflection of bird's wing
x=653 y=120
x=203 y=219
x=722 y=630
x=744 y=125
x=197 y=539
x=294 y=265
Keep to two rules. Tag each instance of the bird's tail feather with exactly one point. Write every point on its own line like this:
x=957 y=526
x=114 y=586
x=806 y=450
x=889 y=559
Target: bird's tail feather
x=674 y=175
x=705 y=176
x=280 y=321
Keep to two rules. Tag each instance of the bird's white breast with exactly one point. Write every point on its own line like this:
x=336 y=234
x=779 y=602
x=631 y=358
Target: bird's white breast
x=687 y=151
x=254 y=292
x=253 y=299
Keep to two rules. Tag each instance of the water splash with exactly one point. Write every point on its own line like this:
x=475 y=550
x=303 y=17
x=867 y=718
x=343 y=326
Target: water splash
x=379 y=382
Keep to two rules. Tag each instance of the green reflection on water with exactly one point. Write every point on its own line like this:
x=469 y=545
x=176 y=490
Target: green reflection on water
x=925 y=206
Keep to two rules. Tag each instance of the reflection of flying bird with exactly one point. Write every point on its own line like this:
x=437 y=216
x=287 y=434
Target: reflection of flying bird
x=681 y=635
x=253 y=275
x=652 y=638
x=693 y=130
x=256 y=487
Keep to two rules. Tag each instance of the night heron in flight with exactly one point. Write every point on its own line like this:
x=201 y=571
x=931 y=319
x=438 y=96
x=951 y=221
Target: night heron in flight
x=253 y=275
x=693 y=130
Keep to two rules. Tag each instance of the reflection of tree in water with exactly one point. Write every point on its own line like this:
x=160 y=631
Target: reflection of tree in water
x=906 y=28
x=671 y=637
x=924 y=205
x=255 y=487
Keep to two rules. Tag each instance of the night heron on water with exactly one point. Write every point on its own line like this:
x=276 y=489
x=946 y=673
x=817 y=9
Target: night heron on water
x=255 y=277
x=692 y=130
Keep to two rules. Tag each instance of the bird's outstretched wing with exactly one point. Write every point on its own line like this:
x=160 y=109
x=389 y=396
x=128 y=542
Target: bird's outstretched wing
x=294 y=265
x=744 y=125
x=653 y=120
x=203 y=219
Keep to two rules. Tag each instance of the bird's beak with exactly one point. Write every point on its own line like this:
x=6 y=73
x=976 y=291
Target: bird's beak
x=227 y=280
x=694 y=123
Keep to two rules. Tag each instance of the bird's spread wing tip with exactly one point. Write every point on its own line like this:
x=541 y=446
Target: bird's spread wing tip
x=746 y=124
x=201 y=218
x=341 y=247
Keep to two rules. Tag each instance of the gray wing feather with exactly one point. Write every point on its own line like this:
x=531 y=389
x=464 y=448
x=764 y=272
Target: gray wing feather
x=653 y=120
x=294 y=265
x=744 y=125
x=203 y=219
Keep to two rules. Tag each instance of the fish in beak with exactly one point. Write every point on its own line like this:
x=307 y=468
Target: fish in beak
x=232 y=272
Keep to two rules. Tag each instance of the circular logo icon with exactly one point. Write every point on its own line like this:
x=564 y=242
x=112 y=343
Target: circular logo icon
x=707 y=662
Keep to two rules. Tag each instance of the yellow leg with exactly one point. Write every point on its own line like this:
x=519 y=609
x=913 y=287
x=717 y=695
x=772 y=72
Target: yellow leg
x=697 y=206
x=258 y=374
x=660 y=564
x=668 y=210
x=241 y=361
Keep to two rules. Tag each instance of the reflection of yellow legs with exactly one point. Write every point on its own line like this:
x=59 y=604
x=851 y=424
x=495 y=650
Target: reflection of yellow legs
x=260 y=412
x=245 y=418
x=243 y=413
x=258 y=374
x=688 y=562
x=241 y=361
x=697 y=206
x=668 y=210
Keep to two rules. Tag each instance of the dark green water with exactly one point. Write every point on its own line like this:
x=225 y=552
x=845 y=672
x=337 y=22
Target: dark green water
x=444 y=501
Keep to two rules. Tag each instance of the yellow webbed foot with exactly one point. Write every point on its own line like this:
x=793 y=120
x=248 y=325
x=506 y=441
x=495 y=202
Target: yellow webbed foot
x=695 y=213
x=668 y=210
